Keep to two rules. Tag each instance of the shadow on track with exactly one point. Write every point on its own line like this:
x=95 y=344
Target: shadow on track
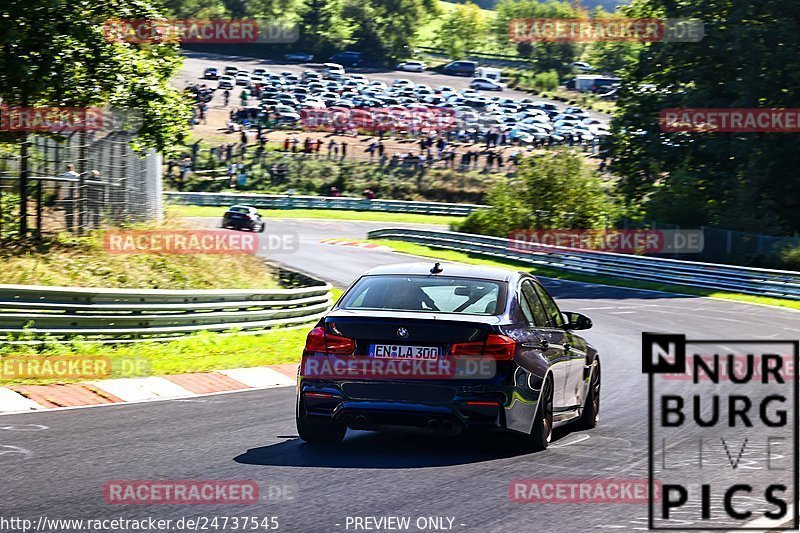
x=393 y=449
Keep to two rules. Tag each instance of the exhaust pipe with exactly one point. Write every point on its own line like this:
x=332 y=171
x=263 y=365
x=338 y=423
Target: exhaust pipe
x=359 y=422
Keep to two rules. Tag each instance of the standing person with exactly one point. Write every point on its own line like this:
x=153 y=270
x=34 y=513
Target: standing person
x=344 y=149
x=307 y=145
x=489 y=161
x=203 y=108
x=232 y=175
x=332 y=148
x=226 y=96
x=440 y=146
x=381 y=148
x=244 y=137
x=295 y=142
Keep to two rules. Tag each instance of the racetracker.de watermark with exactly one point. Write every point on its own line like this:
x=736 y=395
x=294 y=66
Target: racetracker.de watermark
x=538 y=30
x=580 y=491
x=336 y=367
x=180 y=242
x=616 y=241
x=15 y=367
x=181 y=492
x=382 y=119
x=214 y=31
x=733 y=120
x=58 y=119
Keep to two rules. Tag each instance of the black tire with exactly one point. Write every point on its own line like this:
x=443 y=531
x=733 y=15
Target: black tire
x=319 y=430
x=542 y=432
x=591 y=410
x=262 y=227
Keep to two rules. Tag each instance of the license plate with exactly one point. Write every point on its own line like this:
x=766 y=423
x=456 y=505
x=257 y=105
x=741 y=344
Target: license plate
x=396 y=351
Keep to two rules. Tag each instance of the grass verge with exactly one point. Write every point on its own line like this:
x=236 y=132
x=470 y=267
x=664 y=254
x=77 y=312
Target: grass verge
x=331 y=214
x=476 y=259
x=67 y=260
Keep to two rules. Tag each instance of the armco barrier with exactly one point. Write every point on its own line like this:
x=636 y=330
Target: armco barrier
x=63 y=313
x=281 y=201
x=756 y=281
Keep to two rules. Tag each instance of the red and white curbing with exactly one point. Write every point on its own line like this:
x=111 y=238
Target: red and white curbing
x=358 y=244
x=28 y=398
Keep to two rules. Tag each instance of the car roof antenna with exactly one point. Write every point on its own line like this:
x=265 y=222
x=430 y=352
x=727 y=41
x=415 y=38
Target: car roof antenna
x=437 y=268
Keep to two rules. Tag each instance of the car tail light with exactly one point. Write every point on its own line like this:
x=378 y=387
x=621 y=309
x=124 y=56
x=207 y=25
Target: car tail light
x=497 y=347
x=321 y=342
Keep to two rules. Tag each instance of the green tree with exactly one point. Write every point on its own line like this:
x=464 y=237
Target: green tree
x=748 y=58
x=462 y=25
x=545 y=55
x=56 y=53
x=385 y=29
x=551 y=191
x=323 y=27
x=198 y=9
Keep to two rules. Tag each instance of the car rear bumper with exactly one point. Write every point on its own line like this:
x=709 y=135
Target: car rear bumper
x=447 y=408
x=238 y=224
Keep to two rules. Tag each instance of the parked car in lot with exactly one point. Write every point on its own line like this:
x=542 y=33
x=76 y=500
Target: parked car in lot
x=226 y=82
x=347 y=59
x=300 y=57
x=243 y=217
x=211 y=73
x=482 y=348
x=243 y=78
x=231 y=70
x=487 y=84
x=460 y=68
x=582 y=66
x=412 y=66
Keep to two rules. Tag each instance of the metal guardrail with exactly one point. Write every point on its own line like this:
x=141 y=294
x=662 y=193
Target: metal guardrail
x=746 y=280
x=63 y=313
x=282 y=201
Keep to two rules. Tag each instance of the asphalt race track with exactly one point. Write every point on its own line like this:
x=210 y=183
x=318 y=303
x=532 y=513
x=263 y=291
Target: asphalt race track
x=56 y=464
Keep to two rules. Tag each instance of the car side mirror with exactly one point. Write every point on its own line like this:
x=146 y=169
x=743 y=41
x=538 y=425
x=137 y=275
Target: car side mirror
x=576 y=321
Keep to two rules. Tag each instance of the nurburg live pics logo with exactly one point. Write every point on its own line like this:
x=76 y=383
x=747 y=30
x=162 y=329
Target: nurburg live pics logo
x=724 y=442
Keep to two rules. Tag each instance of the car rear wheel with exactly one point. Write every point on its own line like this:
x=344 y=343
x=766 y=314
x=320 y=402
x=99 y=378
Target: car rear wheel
x=319 y=430
x=542 y=432
x=591 y=411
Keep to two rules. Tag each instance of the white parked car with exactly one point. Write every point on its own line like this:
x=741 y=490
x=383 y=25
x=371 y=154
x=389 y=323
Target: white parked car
x=402 y=82
x=412 y=66
x=487 y=85
x=333 y=69
x=243 y=78
x=226 y=82
x=582 y=66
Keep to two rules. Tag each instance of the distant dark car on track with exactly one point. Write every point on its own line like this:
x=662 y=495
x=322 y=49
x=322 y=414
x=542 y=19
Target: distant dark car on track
x=211 y=73
x=398 y=348
x=243 y=217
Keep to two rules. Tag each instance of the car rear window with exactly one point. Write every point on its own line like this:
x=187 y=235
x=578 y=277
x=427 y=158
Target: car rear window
x=239 y=210
x=426 y=294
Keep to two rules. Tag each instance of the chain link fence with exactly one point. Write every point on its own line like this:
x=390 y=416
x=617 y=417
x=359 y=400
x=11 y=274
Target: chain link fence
x=77 y=182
